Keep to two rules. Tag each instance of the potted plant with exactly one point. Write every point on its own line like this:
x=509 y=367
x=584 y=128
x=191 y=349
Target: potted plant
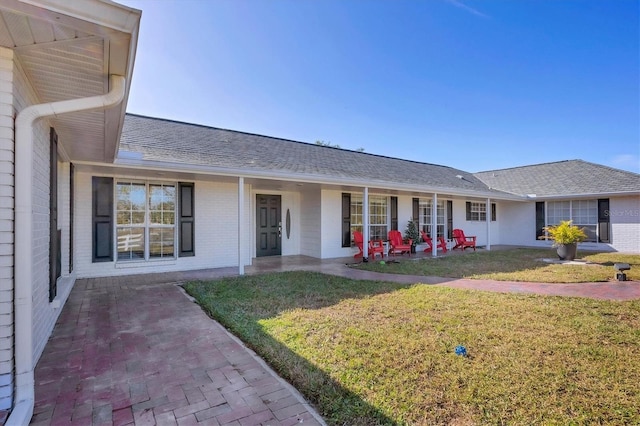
x=566 y=237
x=412 y=233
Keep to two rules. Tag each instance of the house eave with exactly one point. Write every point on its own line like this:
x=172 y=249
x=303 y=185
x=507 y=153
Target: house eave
x=103 y=37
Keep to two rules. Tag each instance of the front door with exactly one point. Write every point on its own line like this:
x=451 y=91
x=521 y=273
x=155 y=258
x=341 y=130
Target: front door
x=268 y=225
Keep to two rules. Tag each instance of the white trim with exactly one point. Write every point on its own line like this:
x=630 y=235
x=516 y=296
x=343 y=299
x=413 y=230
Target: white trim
x=588 y=195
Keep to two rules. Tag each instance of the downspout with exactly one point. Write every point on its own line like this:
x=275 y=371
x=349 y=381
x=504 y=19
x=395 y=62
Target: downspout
x=23 y=276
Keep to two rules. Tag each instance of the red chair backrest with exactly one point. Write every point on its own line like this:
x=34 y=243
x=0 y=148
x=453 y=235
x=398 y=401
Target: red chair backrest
x=458 y=234
x=395 y=237
x=358 y=238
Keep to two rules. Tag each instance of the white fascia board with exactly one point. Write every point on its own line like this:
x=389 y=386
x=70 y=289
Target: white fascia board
x=269 y=174
x=583 y=195
x=104 y=13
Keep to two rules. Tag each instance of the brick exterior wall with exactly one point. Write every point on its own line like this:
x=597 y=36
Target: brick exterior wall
x=6 y=227
x=625 y=224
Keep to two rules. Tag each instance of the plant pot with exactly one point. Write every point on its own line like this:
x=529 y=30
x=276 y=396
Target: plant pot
x=567 y=251
x=413 y=249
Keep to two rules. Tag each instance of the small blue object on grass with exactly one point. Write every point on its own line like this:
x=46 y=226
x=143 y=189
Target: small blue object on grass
x=461 y=350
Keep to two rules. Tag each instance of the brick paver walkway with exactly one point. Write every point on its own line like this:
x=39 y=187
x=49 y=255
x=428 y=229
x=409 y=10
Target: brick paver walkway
x=132 y=351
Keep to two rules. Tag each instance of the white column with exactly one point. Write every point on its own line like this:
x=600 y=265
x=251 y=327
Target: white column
x=434 y=225
x=365 y=223
x=240 y=225
x=488 y=223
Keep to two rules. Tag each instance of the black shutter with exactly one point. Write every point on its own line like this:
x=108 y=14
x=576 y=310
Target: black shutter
x=468 y=210
x=346 y=219
x=415 y=211
x=102 y=200
x=449 y=219
x=604 y=218
x=539 y=219
x=394 y=213
x=72 y=171
x=493 y=212
x=55 y=268
x=186 y=215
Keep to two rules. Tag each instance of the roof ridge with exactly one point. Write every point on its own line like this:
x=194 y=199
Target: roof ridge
x=291 y=141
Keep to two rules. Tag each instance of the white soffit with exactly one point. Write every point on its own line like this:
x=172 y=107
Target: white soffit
x=67 y=54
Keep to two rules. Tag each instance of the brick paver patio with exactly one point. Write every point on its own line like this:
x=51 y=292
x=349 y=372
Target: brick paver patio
x=136 y=351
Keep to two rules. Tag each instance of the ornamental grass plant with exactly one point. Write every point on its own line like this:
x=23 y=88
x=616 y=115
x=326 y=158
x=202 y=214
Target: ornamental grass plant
x=564 y=233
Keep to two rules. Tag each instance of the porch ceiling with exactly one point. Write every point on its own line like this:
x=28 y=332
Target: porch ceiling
x=67 y=50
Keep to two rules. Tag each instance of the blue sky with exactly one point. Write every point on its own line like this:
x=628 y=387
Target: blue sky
x=473 y=84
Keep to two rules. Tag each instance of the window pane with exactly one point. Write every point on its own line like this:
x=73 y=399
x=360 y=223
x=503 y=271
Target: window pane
x=168 y=218
x=130 y=243
x=124 y=218
x=161 y=242
x=130 y=203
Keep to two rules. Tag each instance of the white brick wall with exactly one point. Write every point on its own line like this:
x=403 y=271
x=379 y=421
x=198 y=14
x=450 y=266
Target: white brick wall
x=625 y=224
x=6 y=227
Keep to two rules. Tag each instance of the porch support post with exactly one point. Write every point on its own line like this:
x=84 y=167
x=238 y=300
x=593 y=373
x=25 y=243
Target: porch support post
x=240 y=225
x=365 y=224
x=488 y=223
x=434 y=225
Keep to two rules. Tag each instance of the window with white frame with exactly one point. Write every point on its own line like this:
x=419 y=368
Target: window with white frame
x=583 y=213
x=477 y=212
x=425 y=217
x=145 y=220
x=378 y=215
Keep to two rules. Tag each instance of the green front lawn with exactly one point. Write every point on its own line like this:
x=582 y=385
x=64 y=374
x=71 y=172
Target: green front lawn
x=520 y=264
x=368 y=353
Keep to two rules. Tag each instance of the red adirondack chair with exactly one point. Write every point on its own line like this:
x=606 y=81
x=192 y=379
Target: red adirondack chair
x=359 y=240
x=442 y=243
x=397 y=245
x=462 y=241
x=376 y=247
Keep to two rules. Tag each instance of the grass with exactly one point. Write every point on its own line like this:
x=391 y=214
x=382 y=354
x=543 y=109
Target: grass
x=512 y=265
x=368 y=353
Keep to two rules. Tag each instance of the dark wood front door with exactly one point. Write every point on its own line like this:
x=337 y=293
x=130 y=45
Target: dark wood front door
x=268 y=225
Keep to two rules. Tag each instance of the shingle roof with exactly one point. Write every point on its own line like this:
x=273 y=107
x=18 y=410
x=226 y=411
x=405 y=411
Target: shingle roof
x=571 y=177
x=169 y=141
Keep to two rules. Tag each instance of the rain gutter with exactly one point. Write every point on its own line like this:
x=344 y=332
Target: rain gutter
x=23 y=274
